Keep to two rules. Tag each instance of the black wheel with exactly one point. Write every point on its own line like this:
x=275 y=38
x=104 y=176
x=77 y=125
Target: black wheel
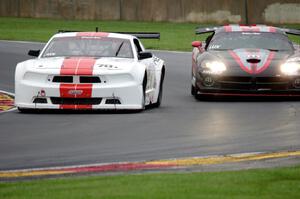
x=193 y=90
x=160 y=94
x=144 y=90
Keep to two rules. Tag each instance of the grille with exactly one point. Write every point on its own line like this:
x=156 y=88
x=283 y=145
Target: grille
x=228 y=82
x=82 y=79
x=40 y=100
x=112 y=101
x=85 y=79
x=239 y=86
x=254 y=83
x=228 y=79
x=75 y=101
x=272 y=83
x=272 y=80
x=63 y=79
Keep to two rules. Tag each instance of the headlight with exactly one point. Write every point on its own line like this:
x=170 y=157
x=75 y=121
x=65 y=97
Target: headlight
x=213 y=67
x=290 y=68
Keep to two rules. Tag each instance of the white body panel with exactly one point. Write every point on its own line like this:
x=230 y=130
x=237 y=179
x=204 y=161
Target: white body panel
x=121 y=79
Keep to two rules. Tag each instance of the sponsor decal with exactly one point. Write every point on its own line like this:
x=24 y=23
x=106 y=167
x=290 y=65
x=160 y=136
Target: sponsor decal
x=6 y=102
x=75 y=92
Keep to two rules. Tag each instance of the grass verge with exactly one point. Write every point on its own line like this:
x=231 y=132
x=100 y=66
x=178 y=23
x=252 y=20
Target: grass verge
x=174 y=36
x=257 y=183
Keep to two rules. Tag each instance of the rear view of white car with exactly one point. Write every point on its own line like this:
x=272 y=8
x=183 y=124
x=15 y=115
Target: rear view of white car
x=90 y=70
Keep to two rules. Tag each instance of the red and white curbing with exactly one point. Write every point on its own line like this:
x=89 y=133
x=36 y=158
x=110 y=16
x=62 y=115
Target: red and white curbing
x=6 y=102
x=146 y=165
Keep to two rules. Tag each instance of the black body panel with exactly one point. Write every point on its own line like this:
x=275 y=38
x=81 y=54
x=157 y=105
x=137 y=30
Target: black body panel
x=248 y=70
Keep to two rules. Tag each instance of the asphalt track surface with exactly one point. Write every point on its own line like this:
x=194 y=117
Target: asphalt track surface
x=182 y=127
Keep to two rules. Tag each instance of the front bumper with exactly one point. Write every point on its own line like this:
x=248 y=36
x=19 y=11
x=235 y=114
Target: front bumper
x=249 y=86
x=123 y=96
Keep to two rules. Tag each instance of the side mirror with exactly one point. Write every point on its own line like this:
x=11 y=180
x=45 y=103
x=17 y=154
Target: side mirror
x=197 y=44
x=145 y=55
x=34 y=53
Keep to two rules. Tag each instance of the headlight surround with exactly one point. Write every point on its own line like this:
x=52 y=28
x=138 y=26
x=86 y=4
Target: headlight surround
x=290 y=68
x=213 y=67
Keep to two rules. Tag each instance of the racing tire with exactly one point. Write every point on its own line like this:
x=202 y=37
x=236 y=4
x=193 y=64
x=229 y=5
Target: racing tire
x=160 y=94
x=144 y=91
x=193 y=90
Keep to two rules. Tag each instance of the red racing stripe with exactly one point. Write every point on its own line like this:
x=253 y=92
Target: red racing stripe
x=272 y=29
x=75 y=107
x=85 y=66
x=76 y=66
x=238 y=60
x=245 y=28
x=267 y=64
x=255 y=29
x=69 y=66
x=92 y=34
x=66 y=92
x=228 y=28
x=86 y=90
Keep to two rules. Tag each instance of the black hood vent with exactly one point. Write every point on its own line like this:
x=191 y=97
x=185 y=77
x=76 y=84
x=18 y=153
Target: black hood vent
x=253 y=61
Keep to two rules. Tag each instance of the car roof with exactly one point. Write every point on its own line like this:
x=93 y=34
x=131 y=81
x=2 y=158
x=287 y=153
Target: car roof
x=248 y=28
x=94 y=34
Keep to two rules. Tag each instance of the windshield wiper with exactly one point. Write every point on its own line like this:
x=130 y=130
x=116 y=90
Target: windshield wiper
x=119 y=48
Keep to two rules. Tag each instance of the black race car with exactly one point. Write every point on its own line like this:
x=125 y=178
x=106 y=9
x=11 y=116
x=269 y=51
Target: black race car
x=246 y=61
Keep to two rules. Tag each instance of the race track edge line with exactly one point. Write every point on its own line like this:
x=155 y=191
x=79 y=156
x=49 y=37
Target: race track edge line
x=177 y=163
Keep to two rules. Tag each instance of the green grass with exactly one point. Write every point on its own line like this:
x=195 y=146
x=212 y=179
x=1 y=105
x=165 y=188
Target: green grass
x=258 y=183
x=174 y=36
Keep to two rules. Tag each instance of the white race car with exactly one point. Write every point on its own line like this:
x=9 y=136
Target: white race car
x=90 y=70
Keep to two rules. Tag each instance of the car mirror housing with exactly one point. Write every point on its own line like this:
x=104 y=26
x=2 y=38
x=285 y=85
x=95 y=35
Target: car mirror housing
x=197 y=44
x=145 y=55
x=34 y=53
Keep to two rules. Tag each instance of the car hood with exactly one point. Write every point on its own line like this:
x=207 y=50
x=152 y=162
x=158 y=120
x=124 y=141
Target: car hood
x=73 y=63
x=251 y=61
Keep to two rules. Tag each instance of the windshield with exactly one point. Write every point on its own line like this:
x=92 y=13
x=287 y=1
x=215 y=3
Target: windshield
x=261 y=40
x=89 y=46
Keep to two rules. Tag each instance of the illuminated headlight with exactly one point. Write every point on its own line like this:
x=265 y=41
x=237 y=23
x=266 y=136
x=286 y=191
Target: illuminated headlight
x=290 y=68
x=213 y=67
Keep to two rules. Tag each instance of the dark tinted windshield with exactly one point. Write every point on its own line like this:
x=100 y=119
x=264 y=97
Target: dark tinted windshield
x=89 y=46
x=262 y=40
